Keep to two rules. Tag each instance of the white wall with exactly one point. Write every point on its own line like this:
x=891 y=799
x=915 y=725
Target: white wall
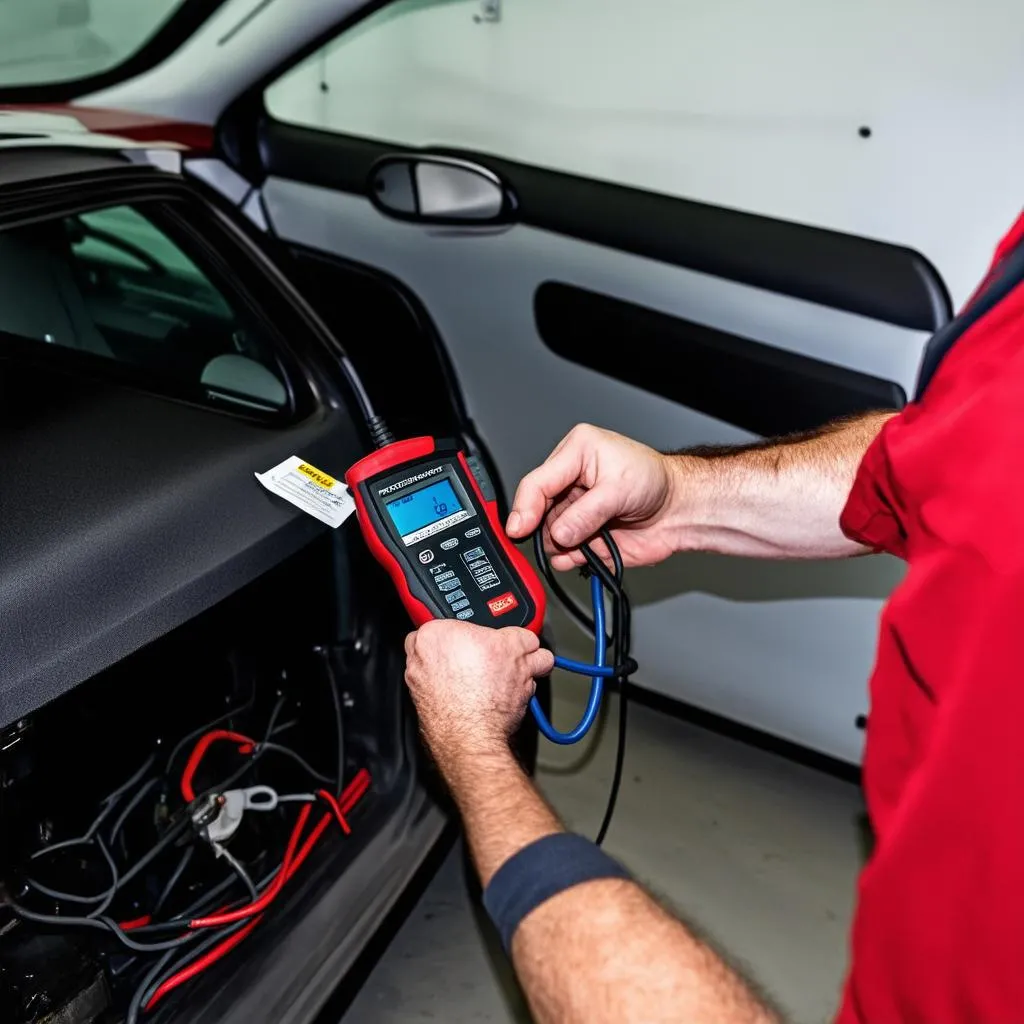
x=59 y=40
x=738 y=102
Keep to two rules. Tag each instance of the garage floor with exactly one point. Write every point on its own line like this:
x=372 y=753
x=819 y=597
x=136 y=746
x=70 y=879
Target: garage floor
x=759 y=853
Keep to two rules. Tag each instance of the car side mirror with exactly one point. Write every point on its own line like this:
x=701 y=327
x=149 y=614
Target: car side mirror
x=440 y=190
x=242 y=381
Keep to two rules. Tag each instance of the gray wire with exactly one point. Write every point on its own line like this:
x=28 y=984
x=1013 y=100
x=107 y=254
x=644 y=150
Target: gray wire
x=189 y=912
x=339 y=727
x=130 y=806
x=278 y=706
x=141 y=992
x=154 y=851
x=137 y=777
x=207 y=897
x=151 y=982
x=108 y=805
x=173 y=880
x=104 y=899
x=196 y=733
x=298 y=759
x=236 y=865
x=101 y=923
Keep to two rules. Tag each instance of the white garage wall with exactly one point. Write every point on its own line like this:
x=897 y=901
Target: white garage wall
x=58 y=40
x=738 y=102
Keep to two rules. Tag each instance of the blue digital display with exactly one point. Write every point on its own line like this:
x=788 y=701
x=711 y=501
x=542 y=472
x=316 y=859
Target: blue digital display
x=421 y=508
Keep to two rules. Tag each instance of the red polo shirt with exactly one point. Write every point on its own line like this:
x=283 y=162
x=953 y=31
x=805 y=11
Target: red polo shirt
x=939 y=931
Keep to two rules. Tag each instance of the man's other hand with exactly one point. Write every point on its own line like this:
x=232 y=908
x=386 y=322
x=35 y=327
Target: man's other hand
x=592 y=479
x=471 y=685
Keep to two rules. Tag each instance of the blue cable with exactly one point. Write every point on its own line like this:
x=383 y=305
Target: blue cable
x=581 y=668
x=600 y=672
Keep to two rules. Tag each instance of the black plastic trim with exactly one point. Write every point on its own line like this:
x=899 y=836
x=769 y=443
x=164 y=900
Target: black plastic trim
x=890 y=283
x=185 y=21
x=134 y=513
x=747 y=383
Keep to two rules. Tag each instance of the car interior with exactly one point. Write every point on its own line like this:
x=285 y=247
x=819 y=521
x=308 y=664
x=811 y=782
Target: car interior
x=158 y=617
x=110 y=283
x=510 y=219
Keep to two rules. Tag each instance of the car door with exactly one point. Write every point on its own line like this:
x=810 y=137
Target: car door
x=721 y=224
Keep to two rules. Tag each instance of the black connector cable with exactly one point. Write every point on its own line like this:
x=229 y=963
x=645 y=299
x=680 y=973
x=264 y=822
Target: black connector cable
x=618 y=641
x=379 y=433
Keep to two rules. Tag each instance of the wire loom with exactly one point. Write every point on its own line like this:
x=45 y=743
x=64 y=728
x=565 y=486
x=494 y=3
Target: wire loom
x=196 y=942
x=200 y=937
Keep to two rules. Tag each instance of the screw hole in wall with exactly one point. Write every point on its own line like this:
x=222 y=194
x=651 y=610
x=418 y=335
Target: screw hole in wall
x=864 y=132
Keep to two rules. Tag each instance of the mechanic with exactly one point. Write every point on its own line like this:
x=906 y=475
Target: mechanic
x=938 y=936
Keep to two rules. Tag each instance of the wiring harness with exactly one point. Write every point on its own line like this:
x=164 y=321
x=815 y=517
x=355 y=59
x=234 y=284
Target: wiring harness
x=187 y=943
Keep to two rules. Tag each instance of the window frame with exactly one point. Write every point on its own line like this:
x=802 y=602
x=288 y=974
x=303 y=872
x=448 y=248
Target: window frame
x=231 y=264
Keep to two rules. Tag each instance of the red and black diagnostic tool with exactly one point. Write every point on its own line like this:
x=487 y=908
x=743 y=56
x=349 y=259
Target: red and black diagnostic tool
x=427 y=522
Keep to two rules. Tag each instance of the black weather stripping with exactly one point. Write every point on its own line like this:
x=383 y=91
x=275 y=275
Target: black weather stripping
x=743 y=382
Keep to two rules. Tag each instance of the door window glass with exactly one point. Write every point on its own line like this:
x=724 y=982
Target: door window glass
x=112 y=283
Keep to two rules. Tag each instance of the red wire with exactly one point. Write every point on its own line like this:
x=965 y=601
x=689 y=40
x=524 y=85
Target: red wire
x=333 y=804
x=351 y=795
x=216 y=920
x=246 y=746
x=293 y=861
x=138 y=922
x=200 y=965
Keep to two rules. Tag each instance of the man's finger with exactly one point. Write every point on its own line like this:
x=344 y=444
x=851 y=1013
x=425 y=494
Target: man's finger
x=410 y=642
x=579 y=521
x=540 y=662
x=537 y=490
x=524 y=641
x=566 y=560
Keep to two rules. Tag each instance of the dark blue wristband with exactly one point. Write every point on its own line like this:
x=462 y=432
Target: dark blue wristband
x=542 y=870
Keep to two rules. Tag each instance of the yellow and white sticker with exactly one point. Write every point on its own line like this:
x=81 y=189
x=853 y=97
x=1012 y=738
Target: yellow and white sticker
x=310 y=489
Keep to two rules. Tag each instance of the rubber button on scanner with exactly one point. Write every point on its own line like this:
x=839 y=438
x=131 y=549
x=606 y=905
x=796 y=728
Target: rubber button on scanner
x=447 y=545
x=426 y=557
x=459 y=605
x=475 y=532
x=472 y=556
x=444 y=576
x=449 y=585
x=455 y=595
x=467 y=614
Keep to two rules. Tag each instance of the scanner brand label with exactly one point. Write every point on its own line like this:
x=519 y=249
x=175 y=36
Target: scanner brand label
x=425 y=475
x=503 y=604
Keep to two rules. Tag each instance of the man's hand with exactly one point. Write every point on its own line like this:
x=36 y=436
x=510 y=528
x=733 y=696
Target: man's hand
x=770 y=499
x=596 y=478
x=471 y=685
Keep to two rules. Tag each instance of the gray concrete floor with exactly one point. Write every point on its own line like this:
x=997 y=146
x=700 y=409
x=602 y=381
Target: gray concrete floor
x=758 y=853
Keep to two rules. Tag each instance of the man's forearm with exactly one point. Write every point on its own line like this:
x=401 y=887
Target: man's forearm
x=603 y=951
x=779 y=499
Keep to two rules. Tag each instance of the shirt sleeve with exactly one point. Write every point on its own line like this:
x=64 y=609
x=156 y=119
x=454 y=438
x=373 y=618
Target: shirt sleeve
x=870 y=516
